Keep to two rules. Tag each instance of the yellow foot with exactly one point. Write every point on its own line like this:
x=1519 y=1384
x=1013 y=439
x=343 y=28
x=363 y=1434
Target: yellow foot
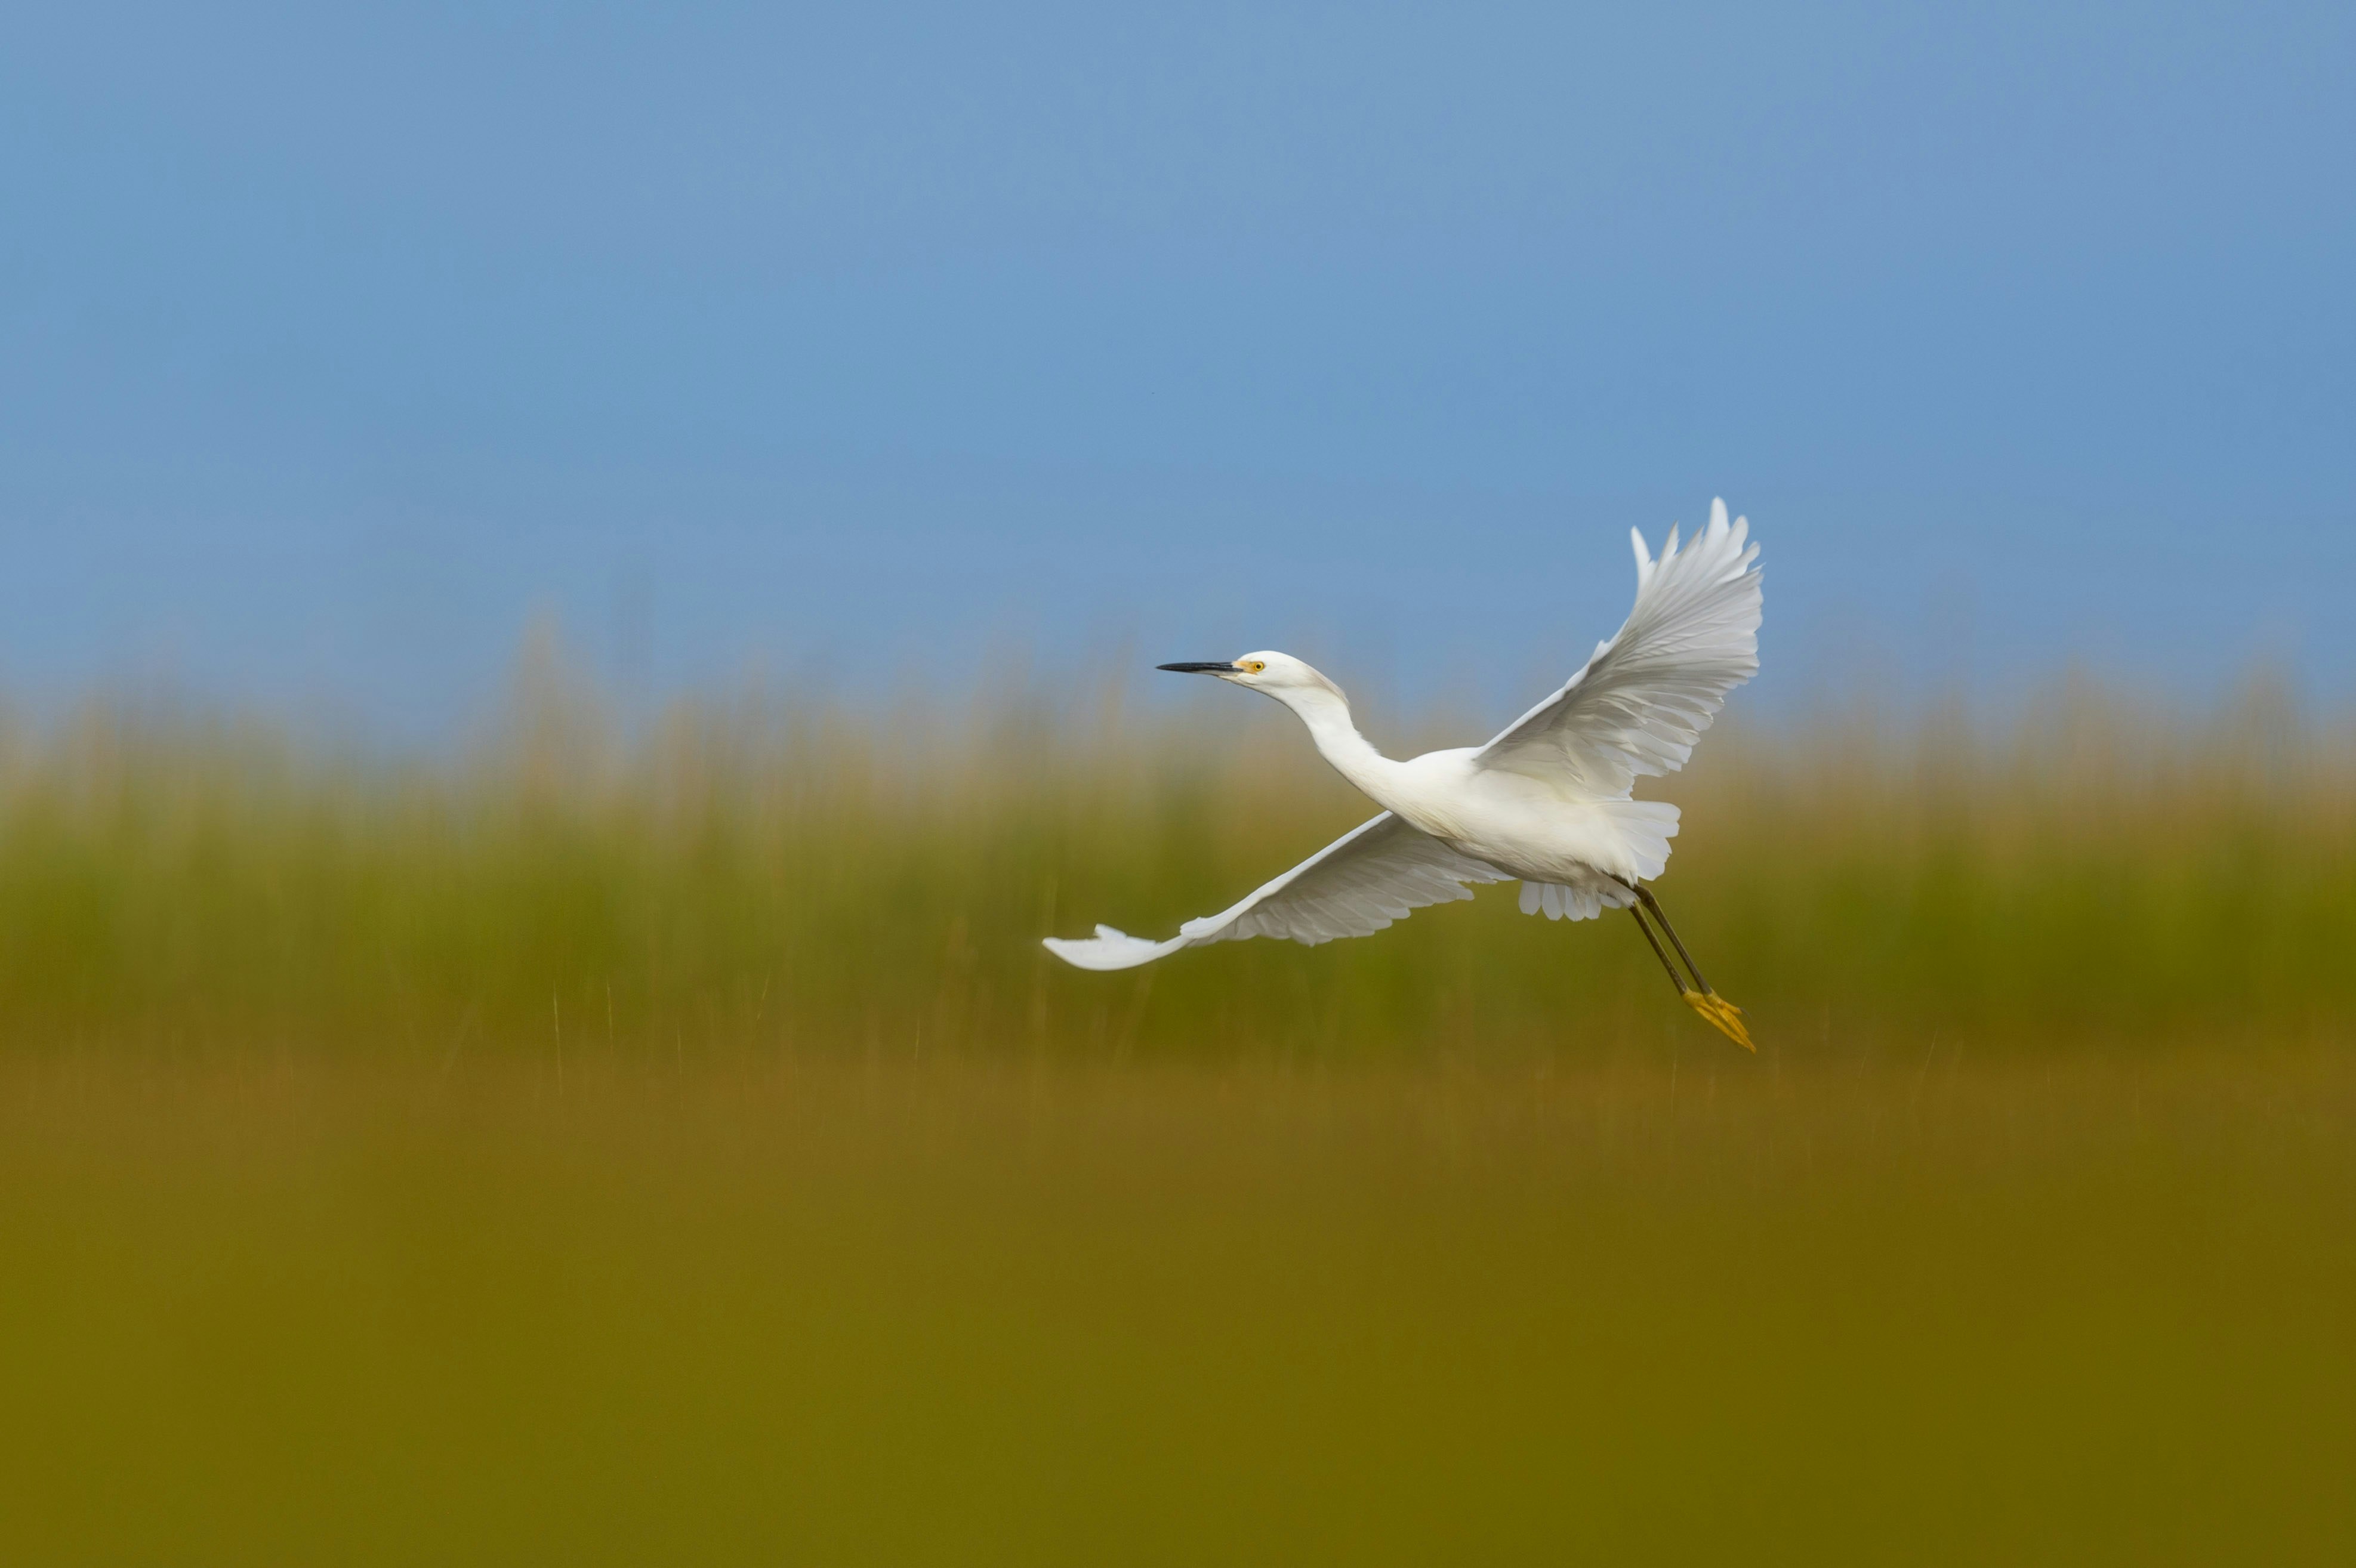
x=1723 y=1016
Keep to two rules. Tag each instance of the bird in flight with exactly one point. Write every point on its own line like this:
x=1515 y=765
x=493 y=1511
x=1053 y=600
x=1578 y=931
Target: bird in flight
x=1547 y=802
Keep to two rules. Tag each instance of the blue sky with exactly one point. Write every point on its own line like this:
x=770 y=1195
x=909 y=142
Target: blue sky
x=854 y=342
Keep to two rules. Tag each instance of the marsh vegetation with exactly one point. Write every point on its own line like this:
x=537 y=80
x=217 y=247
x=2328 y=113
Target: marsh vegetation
x=676 y=1147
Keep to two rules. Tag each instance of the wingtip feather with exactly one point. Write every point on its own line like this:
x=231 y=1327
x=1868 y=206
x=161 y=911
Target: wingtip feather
x=1111 y=948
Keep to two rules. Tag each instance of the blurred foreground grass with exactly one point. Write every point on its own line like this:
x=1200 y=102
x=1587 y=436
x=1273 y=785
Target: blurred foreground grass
x=681 y=1150
x=314 y=1310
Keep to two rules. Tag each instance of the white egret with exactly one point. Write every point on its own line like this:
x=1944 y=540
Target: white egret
x=1547 y=802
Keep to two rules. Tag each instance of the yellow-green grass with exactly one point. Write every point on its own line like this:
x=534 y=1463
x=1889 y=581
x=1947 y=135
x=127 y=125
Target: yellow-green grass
x=809 y=882
x=681 y=1150
x=316 y=1309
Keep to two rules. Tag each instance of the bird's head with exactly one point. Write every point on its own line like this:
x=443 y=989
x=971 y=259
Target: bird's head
x=1281 y=676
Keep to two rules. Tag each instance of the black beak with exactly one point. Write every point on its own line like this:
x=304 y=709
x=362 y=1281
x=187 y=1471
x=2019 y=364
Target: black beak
x=1200 y=666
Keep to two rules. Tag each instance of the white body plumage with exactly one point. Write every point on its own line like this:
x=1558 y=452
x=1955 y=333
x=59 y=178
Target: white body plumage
x=1547 y=802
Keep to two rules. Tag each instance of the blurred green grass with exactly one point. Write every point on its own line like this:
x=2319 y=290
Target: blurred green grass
x=591 y=1147
x=2084 y=1311
x=819 y=882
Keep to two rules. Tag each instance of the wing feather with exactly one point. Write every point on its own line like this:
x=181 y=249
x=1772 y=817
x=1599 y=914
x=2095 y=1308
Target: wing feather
x=1376 y=873
x=1638 y=706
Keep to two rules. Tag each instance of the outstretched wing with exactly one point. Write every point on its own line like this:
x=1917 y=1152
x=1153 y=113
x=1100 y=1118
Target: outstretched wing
x=1641 y=702
x=1370 y=877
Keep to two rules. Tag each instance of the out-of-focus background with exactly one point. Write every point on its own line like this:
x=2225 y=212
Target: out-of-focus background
x=851 y=342
x=580 y=592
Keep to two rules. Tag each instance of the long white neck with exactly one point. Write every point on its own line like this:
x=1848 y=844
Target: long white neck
x=1327 y=714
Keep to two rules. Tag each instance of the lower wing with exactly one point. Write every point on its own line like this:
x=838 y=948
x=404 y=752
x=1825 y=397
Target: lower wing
x=1377 y=872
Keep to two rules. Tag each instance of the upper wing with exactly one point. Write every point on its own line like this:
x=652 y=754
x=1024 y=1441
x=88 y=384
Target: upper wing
x=1641 y=702
x=1370 y=877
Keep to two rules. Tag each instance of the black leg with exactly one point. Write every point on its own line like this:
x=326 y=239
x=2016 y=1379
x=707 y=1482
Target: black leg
x=1654 y=904
x=1658 y=952
x=1715 y=1010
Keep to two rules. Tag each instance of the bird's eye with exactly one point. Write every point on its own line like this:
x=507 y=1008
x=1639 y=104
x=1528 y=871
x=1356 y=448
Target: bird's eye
x=1255 y=666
